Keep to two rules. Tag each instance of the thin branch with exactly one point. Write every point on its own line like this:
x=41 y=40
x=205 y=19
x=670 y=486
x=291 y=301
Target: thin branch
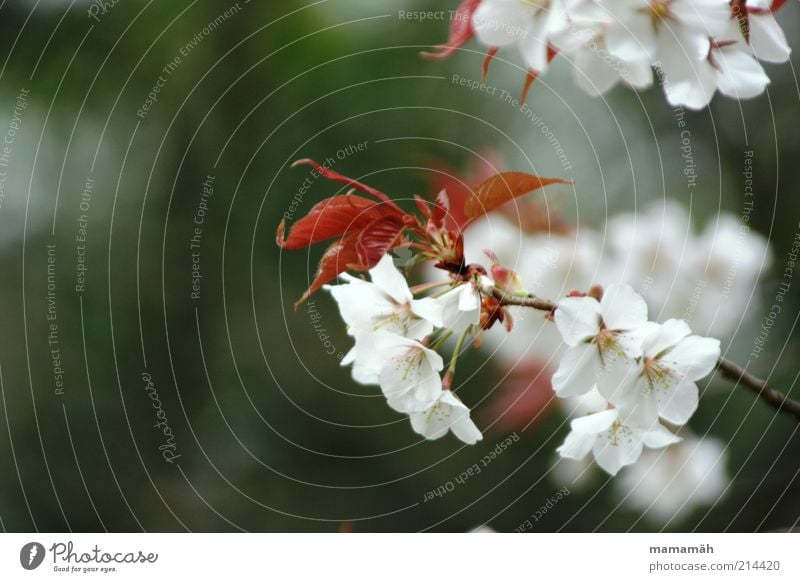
x=727 y=369
x=530 y=301
x=777 y=400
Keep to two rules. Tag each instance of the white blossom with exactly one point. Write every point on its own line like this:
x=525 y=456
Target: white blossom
x=386 y=303
x=409 y=372
x=664 y=376
x=531 y=24
x=766 y=37
x=615 y=437
x=460 y=307
x=446 y=413
x=597 y=70
x=652 y=28
x=723 y=63
x=597 y=331
x=700 y=46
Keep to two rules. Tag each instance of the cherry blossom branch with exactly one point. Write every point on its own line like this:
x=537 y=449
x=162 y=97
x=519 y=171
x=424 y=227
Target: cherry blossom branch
x=530 y=301
x=727 y=369
x=777 y=400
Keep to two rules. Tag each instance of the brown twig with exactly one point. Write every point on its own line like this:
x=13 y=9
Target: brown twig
x=727 y=369
x=777 y=400
x=530 y=301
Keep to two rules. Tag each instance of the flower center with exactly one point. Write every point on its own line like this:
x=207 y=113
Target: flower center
x=618 y=431
x=656 y=375
x=659 y=11
x=412 y=364
x=397 y=320
x=606 y=342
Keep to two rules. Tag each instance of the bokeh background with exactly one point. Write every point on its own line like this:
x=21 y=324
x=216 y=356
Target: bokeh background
x=269 y=433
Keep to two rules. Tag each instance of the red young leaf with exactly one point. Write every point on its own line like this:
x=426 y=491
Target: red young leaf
x=776 y=5
x=330 y=218
x=377 y=239
x=337 y=177
x=458 y=191
x=460 y=31
x=340 y=256
x=422 y=206
x=442 y=208
x=503 y=188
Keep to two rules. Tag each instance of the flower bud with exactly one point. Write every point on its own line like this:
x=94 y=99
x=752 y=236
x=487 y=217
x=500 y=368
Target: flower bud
x=506 y=280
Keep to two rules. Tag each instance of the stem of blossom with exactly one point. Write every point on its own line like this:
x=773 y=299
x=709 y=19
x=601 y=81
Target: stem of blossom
x=727 y=369
x=428 y=286
x=457 y=351
x=441 y=339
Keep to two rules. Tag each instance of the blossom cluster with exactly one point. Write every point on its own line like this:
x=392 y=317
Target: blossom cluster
x=710 y=279
x=393 y=335
x=644 y=370
x=397 y=335
x=698 y=47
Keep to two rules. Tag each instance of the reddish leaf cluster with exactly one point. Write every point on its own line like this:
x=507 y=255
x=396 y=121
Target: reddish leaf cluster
x=366 y=229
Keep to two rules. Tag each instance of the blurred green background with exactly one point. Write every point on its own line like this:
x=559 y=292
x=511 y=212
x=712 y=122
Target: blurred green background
x=272 y=435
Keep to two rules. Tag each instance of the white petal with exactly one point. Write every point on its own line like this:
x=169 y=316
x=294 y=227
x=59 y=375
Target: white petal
x=361 y=304
x=349 y=357
x=619 y=381
x=501 y=22
x=414 y=328
x=689 y=79
x=641 y=412
x=637 y=73
x=740 y=76
x=622 y=308
x=659 y=437
x=409 y=377
x=631 y=342
x=578 y=371
x=632 y=39
x=767 y=39
x=386 y=276
x=468 y=299
x=424 y=424
x=578 y=319
x=577 y=445
x=464 y=428
x=665 y=336
x=367 y=362
x=595 y=75
x=694 y=357
x=453 y=317
x=534 y=46
x=707 y=17
x=678 y=402
x=446 y=413
x=428 y=309
x=613 y=453
x=595 y=423
x=409 y=391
